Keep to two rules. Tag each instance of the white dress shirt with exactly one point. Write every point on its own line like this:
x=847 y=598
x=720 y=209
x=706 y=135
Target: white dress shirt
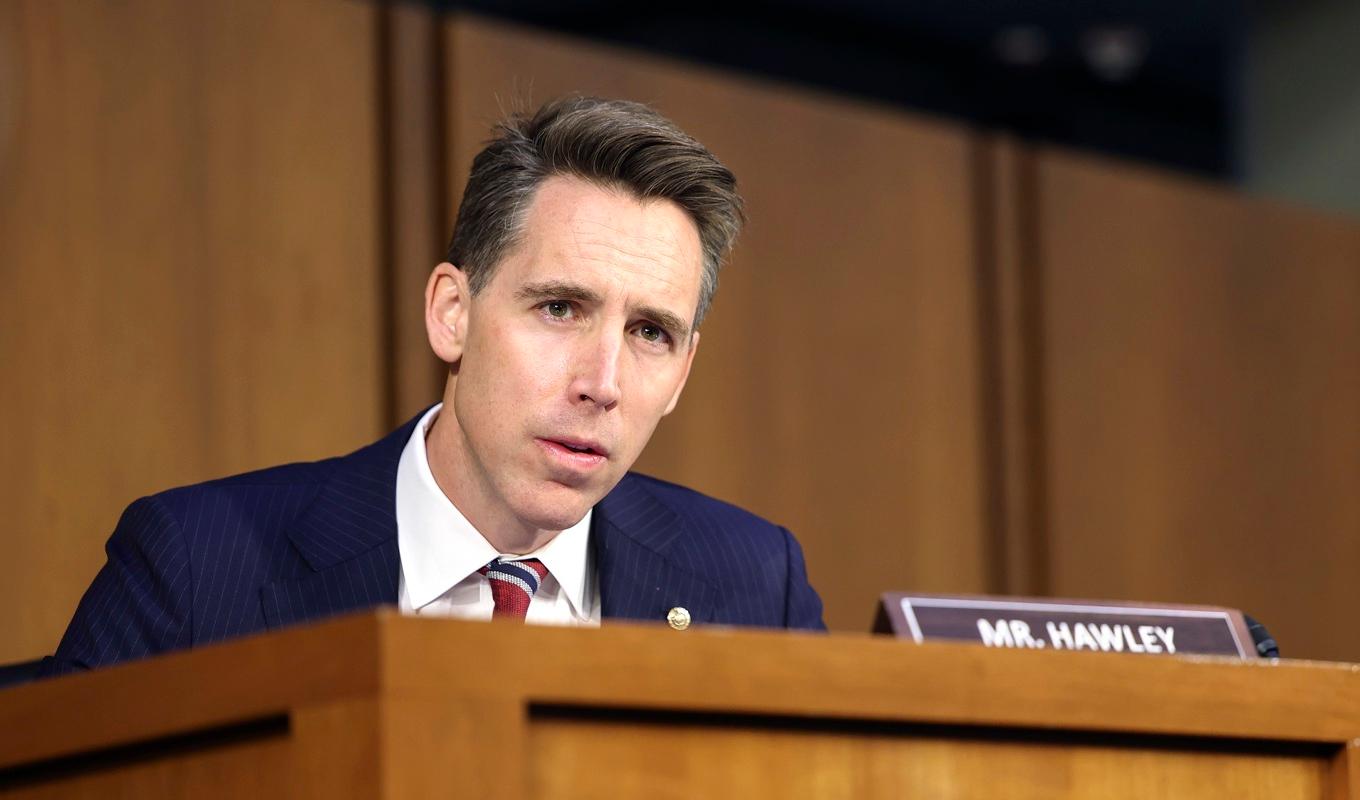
x=441 y=553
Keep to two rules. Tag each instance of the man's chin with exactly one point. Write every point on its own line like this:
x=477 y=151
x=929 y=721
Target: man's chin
x=558 y=507
x=553 y=521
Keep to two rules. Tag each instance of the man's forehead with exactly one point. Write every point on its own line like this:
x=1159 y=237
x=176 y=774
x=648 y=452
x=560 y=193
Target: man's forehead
x=575 y=231
x=590 y=209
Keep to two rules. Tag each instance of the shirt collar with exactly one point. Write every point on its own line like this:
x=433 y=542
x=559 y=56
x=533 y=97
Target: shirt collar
x=439 y=547
x=567 y=557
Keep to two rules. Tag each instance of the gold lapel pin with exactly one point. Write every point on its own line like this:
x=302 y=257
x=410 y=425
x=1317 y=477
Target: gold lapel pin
x=678 y=618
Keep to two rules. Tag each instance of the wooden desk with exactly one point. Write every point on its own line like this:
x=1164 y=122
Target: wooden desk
x=383 y=706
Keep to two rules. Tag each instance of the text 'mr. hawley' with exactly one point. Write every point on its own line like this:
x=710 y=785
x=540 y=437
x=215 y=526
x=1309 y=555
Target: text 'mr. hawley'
x=1100 y=637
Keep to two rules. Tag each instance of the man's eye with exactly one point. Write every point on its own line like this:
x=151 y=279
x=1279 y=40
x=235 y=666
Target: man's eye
x=558 y=308
x=652 y=333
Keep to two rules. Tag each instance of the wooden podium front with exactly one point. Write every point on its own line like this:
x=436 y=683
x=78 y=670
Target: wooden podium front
x=383 y=706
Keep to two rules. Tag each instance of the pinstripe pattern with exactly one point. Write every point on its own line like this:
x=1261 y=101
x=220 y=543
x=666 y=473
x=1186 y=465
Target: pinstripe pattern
x=658 y=546
x=299 y=542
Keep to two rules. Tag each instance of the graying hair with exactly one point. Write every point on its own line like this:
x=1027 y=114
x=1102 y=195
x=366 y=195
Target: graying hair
x=613 y=143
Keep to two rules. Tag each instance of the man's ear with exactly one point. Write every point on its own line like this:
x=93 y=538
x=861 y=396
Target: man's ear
x=689 y=362
x=446 y=312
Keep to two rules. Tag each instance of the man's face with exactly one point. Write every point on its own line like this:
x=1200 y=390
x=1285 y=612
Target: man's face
x=571 y=355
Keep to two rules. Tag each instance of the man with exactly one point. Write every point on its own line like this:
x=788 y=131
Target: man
x=584 y=257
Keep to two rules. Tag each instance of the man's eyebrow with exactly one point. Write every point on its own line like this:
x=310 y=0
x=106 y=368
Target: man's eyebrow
x=678 y=328
x=560 y=290
x=557 y=290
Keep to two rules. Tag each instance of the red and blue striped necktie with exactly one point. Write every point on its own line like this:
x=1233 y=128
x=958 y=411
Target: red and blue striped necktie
x=513 y=584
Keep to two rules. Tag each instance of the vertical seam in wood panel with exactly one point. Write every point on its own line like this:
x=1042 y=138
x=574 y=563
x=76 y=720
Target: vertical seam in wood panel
x=386 y=218
x=446 y=30
x=1012 y=362
x=1034 y=377
x=1344 y=773
x=991 y=445
x=443 y=139
x=414 y=196
x=441 y=149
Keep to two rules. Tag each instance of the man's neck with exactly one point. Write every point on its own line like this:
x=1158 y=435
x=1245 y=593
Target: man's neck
x=462 y=486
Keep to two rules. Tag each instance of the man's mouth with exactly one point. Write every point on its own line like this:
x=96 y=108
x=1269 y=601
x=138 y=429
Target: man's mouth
x=576 y=453
x=581 y=446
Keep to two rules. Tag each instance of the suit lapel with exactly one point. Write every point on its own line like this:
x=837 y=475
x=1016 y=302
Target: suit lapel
x=635 y=537
x=364 y=581
x=348 y=538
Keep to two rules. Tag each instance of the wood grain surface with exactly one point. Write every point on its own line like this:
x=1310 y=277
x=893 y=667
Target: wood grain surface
x=628 y=709
x=189 y=252
x=1201 y=384
x=620 y=760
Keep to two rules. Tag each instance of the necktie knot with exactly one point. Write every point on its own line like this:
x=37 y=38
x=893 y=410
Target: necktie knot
x=513 y=584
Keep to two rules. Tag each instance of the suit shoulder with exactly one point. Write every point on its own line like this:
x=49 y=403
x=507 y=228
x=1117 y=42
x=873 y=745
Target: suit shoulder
x=301 y=472
x=297 y=479
x=275 y=493
x=294 y=474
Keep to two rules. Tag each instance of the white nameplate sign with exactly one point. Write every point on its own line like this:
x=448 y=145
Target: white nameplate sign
x=1094 y=626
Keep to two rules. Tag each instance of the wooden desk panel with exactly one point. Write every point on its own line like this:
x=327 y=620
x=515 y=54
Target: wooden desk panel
x=652 y=761
x=385 y=706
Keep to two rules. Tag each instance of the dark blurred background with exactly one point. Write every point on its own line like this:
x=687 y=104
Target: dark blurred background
x=1259 y=93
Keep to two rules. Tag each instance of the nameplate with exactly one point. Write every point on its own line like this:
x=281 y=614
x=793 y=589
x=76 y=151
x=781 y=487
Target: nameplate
x=1032 y=624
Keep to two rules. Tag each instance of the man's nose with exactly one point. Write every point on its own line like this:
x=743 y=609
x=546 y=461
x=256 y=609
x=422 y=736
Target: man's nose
x=596 y=378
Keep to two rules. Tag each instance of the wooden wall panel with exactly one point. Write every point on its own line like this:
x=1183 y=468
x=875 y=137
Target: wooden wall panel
x=1012 y=359
x=1202 y=398
x=417 y=223
x=837 y=387
x=189 y=257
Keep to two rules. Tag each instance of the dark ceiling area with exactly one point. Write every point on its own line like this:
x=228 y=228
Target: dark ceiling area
x=1155 y=80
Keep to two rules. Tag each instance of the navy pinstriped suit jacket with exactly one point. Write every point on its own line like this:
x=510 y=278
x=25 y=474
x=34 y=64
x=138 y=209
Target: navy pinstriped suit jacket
x=299 y=542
